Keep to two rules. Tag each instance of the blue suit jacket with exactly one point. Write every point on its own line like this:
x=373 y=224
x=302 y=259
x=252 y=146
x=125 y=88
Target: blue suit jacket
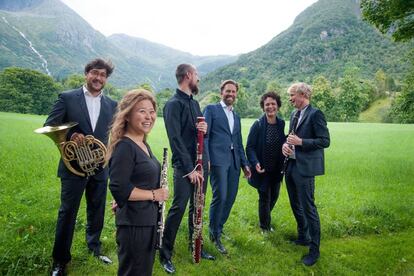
x=71 y=107
x=219 y=138
x=314 y=132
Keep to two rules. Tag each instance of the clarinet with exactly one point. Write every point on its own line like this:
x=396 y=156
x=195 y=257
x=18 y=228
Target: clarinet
x=197 y=239
x=161 y=205
x=292 y=132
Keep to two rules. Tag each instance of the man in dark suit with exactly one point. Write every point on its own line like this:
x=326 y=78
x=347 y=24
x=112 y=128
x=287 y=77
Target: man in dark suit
x=226 y=154
x=305 y=148
x=93 y=111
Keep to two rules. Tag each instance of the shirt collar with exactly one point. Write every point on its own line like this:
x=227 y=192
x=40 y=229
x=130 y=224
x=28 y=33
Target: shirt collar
x=87 y=93
x=303 y=109
x=183 y=94
x=230 y=108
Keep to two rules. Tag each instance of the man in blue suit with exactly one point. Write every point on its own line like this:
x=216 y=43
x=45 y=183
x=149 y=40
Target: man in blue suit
x=93 y=111
x=305 y=145
x=225 y=151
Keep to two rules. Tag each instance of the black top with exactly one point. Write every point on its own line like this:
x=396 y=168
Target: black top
x=180 y=117
x=131 y=167
x=257 y=147
x=272 y=147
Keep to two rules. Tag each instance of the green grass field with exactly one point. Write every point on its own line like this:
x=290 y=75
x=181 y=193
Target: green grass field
x=365 y=201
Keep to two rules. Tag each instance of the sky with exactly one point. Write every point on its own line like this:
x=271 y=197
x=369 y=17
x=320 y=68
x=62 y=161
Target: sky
x=209 y=27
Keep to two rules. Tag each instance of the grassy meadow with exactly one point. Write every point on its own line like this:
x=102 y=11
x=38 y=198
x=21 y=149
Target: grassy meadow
x=365 y=202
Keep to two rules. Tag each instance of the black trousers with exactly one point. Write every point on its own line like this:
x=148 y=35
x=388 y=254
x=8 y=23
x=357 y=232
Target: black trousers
x=70 y=197
x=183 y=192
x=136 y=249
x=268 y=195
x=301 y=191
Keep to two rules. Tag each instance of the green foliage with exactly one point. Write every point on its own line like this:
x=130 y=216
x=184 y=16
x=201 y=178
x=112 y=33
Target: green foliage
x=391 y=16
x=27 y=91
x=351 y=99
x=323 y=98
x=73 y=81
x=162 y=97
x=364 y=202
x=402 y=109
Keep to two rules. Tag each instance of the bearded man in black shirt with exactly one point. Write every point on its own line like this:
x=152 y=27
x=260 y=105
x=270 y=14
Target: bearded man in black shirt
x=180 y=118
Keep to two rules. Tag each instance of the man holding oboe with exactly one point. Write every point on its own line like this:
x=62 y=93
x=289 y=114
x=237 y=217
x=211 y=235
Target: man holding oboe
x=180 y=118
x=305 y=149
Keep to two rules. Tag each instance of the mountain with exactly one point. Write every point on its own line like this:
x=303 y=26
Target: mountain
x=323 y=40
x=48 y=36
x=166 y=57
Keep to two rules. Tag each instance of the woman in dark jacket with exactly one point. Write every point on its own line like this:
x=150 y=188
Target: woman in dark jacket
x=134 y=183
x=264 y=151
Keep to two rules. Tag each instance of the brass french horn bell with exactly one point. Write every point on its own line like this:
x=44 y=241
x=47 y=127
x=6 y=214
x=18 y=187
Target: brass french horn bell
x=89 y=154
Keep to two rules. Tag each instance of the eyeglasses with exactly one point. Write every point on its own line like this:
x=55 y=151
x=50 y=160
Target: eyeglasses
x=96 y=73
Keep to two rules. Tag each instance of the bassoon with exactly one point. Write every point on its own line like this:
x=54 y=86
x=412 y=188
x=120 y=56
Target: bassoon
x=292 y=132
x=161 y=205
x=197 y=239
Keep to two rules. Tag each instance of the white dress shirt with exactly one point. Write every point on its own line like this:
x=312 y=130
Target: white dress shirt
x=228 y=110
x=94 y=106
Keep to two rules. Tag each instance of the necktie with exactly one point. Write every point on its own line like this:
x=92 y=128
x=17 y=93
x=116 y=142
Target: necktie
x=295 y=121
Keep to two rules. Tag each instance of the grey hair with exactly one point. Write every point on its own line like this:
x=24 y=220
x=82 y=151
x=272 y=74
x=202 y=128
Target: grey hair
x=302 y=88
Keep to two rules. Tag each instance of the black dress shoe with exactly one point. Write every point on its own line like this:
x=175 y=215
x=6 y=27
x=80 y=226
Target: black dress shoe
x=167 y=265
x=310 y=259
x=104 y=259
x=207 y=256
x=58 y=269
x=220 y=247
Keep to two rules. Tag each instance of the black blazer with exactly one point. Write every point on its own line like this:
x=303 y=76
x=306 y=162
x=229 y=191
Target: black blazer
x=255 y=148
x=314 y=132
x=71 y=107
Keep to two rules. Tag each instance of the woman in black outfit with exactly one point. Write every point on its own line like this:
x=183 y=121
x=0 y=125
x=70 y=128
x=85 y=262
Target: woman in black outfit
x=264 y=151
x=134 y=183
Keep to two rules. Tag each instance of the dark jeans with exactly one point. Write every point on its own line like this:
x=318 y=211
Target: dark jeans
x=224 y=184
x=268 y=196
x=183 y=192
x=136 y=249
x=71 y=195
x=301 y=191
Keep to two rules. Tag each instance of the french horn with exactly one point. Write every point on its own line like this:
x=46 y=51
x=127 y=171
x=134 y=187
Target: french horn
x=88 y=155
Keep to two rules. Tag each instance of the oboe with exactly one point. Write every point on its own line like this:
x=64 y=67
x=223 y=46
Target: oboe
x=292 y=132
x=197 y=239
x=161 y=205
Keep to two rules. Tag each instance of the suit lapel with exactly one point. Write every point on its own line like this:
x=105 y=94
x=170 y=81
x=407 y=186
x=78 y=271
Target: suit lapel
x=304 y=116
x=224 y=116
x=103 y=114
x=84 y=108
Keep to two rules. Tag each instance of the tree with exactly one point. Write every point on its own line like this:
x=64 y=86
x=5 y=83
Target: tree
x=352 y=98
x=27 y=91
x=323 y=98
x=73 y=81
x=391 y=16
x=396 y=17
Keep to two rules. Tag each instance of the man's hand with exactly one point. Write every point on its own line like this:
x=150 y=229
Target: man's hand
x=195 y=177
x=259 y=168
x=294 y=140
x=247 y=172
x=202 y=126
x=286 y=150
x=114 y=205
